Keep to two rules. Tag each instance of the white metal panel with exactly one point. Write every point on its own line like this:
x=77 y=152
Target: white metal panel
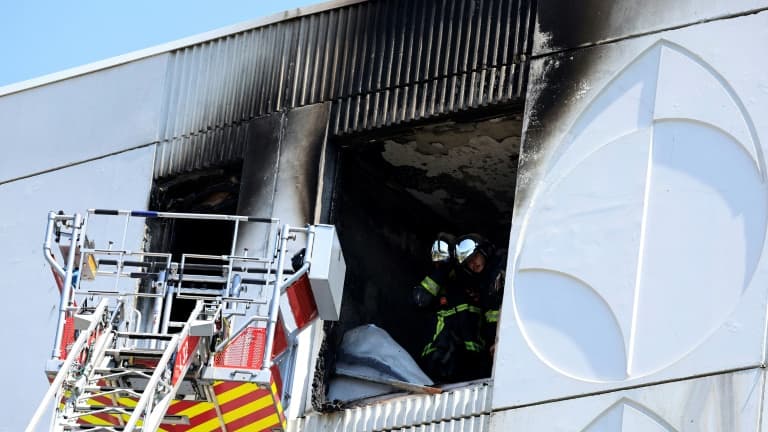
x=450 y=411
x=28 y=312
x=81 y=118
x=326 y=276
x=727 y=402
x=640 y=222
x=567 y=25
x=764 y=408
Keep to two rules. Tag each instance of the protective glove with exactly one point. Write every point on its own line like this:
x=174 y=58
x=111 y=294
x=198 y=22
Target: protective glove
x=298 y=259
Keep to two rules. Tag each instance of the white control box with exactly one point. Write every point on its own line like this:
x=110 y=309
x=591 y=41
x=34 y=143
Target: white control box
x=326 y=274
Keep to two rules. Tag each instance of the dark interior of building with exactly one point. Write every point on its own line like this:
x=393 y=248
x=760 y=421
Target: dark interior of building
x=210 y=191
x=395 y=191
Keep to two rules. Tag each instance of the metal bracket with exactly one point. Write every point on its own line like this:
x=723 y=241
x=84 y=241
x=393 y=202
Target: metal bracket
x=256 y=376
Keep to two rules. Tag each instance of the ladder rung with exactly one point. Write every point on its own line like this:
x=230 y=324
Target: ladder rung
x=144 y=275
x=240 y=258
x=85 y=409
x=168 y=419
x=116 y=293
x=202 y=291
x=200 y=278
x=205 y=267
x=263 y=270
x=134 y=335
x=76 y=428
x=99 y=389
x=136 y=352
x=255 y=281
x=138 y=369
x=244 y=300
x=141 y=264
x=103 y=390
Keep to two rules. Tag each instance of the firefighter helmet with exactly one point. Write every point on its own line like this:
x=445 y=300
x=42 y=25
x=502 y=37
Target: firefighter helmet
x=442 y=247
x=469 y=245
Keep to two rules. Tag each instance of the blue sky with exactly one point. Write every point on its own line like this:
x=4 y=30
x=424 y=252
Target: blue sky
x=38 y=37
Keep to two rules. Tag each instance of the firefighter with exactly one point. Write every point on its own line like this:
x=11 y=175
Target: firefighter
x=466 y=313
x=426 y=293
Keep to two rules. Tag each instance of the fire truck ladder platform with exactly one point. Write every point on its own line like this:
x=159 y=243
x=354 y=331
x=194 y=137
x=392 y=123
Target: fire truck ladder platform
x=124 y=365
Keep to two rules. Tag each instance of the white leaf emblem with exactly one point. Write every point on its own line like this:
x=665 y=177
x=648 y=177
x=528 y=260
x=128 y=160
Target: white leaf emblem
x=628 y=416
x=647 y=225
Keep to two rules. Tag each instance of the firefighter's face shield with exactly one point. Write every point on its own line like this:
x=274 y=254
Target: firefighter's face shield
x=465 y=249
x=469 y=254
x=441 y=251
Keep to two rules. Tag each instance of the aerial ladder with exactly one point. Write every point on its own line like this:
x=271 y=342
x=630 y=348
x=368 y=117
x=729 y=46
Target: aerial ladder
x=119 y=361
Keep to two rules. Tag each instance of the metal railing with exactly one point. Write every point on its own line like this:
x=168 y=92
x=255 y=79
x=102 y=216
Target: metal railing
x=219 y=281
x=148 y=407
x=55 y=391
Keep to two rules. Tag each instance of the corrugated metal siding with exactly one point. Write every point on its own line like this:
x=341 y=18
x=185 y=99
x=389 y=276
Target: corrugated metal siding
x=200 y=150
x=423 y=100
x=465 y=409
x=378 y=62
x=470 y=424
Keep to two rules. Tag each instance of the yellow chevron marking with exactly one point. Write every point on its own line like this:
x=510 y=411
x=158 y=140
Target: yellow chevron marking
x=127 y=402
x=248 y=408
x=235 y=414
x=209 y=426
x=93 y=420
x=196 y=409
x=235 y=393
x=278 y=404
x=260 y=425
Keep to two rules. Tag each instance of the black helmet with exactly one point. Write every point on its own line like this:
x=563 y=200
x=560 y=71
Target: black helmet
x=442 y=247
x=470 y=244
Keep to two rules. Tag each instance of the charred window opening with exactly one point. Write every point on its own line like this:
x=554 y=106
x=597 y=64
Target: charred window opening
x=395 y=192
x=206 y=191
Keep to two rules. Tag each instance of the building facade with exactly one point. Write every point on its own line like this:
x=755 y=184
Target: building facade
x=615 y=148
